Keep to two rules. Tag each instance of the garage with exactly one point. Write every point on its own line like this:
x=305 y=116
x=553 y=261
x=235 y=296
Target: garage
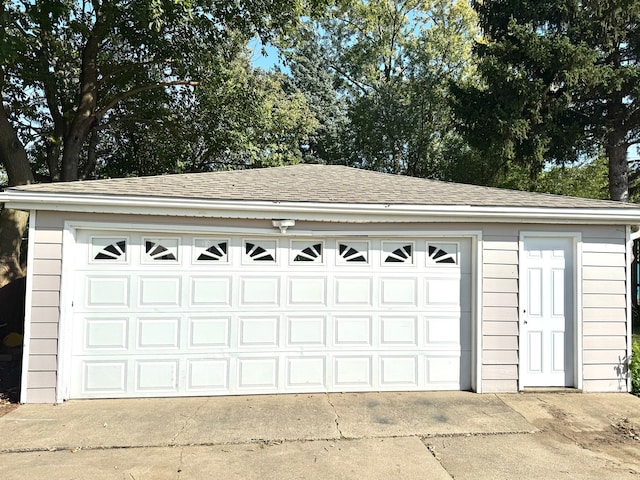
x=319 y=278
x=166 y=314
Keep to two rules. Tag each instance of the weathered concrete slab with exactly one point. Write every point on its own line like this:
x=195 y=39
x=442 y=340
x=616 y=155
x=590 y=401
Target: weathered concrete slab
x=586 y=436
x=578 y=411
x=368 y=435
x=160 y=422
x=527 y=457
x=363 y=415
x=373 y=459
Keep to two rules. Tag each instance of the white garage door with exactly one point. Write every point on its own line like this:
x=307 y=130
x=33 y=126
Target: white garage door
x=175 y=315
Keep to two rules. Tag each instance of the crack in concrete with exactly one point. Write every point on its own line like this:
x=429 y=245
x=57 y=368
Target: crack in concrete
x=188 y=418
x=432 y=450
x=337 y=417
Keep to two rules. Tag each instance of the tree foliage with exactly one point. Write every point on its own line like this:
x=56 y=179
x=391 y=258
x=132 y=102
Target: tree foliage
x=376 y=74
x=68 y=64
x=79 y=78
x=561 y=81
x=237 y=117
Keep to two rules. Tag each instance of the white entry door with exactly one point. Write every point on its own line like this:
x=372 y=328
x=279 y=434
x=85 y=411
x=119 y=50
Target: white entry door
x=546 y=337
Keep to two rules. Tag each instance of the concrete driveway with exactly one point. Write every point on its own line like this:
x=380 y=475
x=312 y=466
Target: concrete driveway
x=325 y=436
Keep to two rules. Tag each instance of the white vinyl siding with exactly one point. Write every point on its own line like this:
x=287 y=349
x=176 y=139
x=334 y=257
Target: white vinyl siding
x=45 y=312
x=604 y=310
x=500 y=310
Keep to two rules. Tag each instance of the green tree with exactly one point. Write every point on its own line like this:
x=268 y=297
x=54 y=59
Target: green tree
x=386 y=64
x=237 y=117
x=560 y=83
x=312 y=75
x=587 y=179
x=67 y=65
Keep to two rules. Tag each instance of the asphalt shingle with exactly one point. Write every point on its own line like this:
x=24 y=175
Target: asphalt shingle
x=316 y=183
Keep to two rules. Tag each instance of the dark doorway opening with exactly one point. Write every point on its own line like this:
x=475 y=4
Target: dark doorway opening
x=12 y=298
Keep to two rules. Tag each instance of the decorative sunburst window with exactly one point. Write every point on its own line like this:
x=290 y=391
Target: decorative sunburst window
x=160 y=250
x=109 y=249
x=306 y=252
x=211 y=250
x=353 y=252
x=442 y=253
x=259 y=251
x=394 y=253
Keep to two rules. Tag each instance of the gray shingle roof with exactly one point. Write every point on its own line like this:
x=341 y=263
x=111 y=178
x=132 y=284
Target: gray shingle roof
x=316 y=183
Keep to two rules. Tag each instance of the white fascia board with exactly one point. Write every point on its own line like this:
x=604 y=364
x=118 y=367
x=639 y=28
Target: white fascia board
x=360 y=213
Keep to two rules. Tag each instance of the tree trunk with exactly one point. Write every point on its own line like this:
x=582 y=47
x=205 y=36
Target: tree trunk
x=13 y=223
x=616 y=151
x=13 y=156
x=71 y=154
x=85 y=116
x=92 y=156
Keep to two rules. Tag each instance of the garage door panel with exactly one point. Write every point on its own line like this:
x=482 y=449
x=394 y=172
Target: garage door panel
x=308 y=291
x=210 y=374
x=399 y=291
x=106 y=377
x=396 y=371
x=442 y=292
x=154 y=333
x=441 y=370
x=306 y=373
x=259 y=332
x=260 y=373
x=442 y=329
x=159 y=291
x=260 y=291
x=210 y=291
x=209 y=332
x=107 y=291
x=156 y=375
x=398 y=331
x=242 y=315
x=306 y=331
x=353 y=291
x=352 y=331
x=353 y=372
x=106 y=334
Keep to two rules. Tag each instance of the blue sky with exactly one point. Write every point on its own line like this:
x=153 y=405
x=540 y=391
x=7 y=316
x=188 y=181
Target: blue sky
x=266 y=62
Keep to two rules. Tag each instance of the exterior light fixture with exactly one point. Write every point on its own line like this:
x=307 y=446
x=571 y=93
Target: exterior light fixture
x=283 y=224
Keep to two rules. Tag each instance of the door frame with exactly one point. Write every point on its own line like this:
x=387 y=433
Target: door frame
x=575 y=239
